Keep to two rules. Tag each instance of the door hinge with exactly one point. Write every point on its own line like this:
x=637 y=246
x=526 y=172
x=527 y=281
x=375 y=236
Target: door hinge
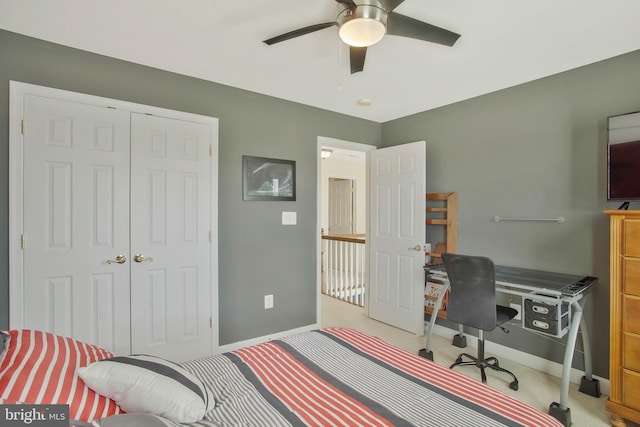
x=210 y=322
x=22 y=126
x=210 y=237
x=210 y=150
x=23 y=241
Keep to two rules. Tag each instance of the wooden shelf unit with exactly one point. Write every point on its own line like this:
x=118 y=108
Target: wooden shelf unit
x=446 y=208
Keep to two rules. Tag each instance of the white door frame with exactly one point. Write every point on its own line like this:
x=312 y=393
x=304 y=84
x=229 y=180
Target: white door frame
x=324 y=141
x=17 y=91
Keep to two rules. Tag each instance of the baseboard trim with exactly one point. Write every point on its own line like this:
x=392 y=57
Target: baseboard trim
x=535 y=362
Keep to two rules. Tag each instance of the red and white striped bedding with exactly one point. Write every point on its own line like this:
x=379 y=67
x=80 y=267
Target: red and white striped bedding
x=40 y=367
x=342 y=377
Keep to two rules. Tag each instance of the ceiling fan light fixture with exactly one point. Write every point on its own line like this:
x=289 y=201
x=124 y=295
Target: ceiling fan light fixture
x=362 y=27
x=362 y=32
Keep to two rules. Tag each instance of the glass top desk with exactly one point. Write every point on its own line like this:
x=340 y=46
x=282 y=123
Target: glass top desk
x=552 y=305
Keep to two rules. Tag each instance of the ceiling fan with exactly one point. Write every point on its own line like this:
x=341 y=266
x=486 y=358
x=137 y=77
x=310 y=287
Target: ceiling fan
x=363 y=23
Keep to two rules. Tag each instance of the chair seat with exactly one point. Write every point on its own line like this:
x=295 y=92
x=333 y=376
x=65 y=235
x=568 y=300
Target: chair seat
x=504 y=314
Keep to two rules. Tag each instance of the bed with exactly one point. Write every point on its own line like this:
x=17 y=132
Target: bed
x=326 y=377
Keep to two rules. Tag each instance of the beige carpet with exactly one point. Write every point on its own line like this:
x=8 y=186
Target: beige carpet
x=535 y=388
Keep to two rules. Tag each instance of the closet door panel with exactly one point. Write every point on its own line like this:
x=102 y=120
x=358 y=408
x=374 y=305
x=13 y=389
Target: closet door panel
x=170 y=223
x=76 y=218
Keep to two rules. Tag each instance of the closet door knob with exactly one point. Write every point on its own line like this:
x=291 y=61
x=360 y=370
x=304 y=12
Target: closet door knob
x=416 y=248
x=141 y=258
x=120 y=259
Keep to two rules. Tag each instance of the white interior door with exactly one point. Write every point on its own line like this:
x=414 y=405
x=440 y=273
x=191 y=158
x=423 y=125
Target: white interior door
x=397 y=187
x=341 y=206
x=76 y=218
x=170 y=228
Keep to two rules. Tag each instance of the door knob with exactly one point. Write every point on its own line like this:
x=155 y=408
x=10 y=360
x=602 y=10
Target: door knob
x=141 y=258
x=416 y=248
x=120 y=259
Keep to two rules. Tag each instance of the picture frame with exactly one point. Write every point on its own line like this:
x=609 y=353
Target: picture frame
x=267 y=179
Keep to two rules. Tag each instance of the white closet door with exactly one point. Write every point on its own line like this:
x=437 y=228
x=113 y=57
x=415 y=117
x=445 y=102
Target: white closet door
x=170 y=228
x=76 y=217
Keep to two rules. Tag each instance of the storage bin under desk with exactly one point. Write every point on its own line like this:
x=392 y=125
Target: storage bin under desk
x=547 y=317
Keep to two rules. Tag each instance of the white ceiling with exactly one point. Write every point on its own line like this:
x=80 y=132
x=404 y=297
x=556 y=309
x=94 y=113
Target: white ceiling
x=503 y=43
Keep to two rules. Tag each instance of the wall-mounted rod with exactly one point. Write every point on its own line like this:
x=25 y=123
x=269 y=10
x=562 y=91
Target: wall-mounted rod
x=559 y=219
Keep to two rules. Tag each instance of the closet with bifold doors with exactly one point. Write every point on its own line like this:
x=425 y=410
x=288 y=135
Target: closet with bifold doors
x=113 y=208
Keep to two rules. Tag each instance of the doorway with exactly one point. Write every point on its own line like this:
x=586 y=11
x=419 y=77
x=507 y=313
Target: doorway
x=397 y=178
x=344 y=171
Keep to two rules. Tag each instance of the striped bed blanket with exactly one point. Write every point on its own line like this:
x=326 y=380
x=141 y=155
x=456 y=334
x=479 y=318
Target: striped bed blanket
x=342 y=377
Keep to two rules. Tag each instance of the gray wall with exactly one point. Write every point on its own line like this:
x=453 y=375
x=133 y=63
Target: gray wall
x=254 y=247
x=535 y=150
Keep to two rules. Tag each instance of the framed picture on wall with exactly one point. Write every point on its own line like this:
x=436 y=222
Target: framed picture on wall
x=266 y=179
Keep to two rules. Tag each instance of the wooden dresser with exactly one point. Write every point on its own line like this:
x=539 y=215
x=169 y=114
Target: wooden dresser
x=624 y=357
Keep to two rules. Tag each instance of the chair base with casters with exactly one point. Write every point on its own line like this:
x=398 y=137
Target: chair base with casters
x=483 y=363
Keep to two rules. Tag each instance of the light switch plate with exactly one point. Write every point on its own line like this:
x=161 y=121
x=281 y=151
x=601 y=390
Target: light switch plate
x=289 y=218
x=268 y=301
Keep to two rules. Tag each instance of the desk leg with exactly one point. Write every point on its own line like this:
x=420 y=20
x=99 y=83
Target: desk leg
x=588 y=385
x=426 y=352
x=561 y=410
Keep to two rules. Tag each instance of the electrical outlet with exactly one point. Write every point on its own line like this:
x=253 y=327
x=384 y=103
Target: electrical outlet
x=519 y=308
x=268 y=301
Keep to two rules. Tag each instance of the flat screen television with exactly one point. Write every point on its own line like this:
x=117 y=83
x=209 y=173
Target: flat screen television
x=623 y=171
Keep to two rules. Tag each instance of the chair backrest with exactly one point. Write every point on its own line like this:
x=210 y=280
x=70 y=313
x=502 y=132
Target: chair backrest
x=472 y=300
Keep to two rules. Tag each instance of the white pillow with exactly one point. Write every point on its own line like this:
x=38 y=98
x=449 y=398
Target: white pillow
x=150 y=384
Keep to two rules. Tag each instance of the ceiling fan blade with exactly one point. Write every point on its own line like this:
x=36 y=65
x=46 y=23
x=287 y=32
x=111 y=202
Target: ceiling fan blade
x=389 y=5
x=349 y=2
x=357 y=56
x=400 y=25
x=299 y=32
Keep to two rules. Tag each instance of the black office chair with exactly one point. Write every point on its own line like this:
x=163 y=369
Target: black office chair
x=472 y=302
